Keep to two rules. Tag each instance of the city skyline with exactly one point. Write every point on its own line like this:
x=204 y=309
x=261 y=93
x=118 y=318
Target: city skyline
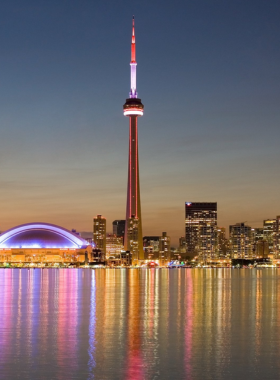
x=210 y=131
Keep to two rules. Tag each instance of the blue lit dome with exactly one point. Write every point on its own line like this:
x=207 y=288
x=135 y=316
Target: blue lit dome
x=41 y=235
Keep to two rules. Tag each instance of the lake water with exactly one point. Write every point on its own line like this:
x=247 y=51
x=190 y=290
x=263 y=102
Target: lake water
x=139 y=324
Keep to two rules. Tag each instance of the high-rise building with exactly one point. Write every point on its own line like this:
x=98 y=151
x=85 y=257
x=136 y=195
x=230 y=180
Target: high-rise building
x=114 y=245
x=261 y=249
x=133 y=108
x=201 y=229
x=269 y=226
x=132 y=238
x=258 y=241
x=257 y=234
x=119 y=228
x=99 y=233
x=223 y=243
x=240 y=236
x=164 y=248
x=151 y=247
x=276 y=238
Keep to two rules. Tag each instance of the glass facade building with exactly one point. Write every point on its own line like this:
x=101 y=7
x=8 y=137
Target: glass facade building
x=119 y=228
x=99 y=233
x=201 y=229
x=241 y=241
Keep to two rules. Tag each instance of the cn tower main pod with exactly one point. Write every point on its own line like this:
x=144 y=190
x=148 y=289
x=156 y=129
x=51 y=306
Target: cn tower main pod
x=133 y=108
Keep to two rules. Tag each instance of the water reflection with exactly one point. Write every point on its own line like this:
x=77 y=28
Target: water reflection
x=135 y=367
x=151 y=320
x=139 y=324
x=92 y=327
x=67 y=321
x=189 y=314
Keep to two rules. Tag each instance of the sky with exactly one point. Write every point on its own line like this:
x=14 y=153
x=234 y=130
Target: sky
x=208 y=75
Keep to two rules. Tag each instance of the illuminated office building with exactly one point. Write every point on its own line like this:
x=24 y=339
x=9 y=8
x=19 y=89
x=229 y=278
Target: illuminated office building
x=261 y=249
x=240 y=236
x=133 y=108
x=257 y=234
x=151 y=247
x=114 y=245
x=132 y=231
x=223 y=243
x=99 y=233
x=258 y=241
x=164 y=249
x=119 y=228
x=276 y=238
x=201 y=229
x=269 y=226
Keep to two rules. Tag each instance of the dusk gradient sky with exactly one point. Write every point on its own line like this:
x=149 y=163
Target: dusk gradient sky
x=208 y=75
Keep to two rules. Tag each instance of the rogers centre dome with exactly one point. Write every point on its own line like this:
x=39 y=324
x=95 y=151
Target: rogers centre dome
x=42 y=242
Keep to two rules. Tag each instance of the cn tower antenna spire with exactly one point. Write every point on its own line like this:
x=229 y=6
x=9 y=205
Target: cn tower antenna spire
x=133 y=42
x=133 y=64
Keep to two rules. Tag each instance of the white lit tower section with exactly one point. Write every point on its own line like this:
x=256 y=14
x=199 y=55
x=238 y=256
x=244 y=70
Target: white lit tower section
x=133 y=108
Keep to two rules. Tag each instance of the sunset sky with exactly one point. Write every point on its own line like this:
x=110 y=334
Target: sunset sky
x=208 y=75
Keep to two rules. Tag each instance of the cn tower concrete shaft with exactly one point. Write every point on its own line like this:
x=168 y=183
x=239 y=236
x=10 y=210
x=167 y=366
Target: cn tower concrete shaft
x=133 y=232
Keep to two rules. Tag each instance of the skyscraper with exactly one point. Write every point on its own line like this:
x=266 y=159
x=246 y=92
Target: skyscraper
x=114 y=245
x=201 y=228
x=222 y=241
x=151 y=247
x=119 y=228
x=133 y=108
x=258 y=241
x=99 y=233
x=240 y=236
x=276 y=238
x=269 y=226
x=164 y=249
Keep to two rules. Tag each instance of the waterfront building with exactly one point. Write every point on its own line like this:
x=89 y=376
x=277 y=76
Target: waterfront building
x=123 y=259
x=164 y=249
x=132 y=238
x=133 y=108
x=257 y=236
x=276 y=238
x=97 y=257
x=258 y=233
x=99 y=233
x=201 y=229
x=261 y=249
x=240 y=241
x=269 y=227
x=36 y=243
x=151 y=247
x=119 y=228
x=114 y=245
x=223 y=242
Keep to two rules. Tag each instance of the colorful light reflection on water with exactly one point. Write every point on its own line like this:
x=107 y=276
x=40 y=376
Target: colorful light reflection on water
x=139 y=324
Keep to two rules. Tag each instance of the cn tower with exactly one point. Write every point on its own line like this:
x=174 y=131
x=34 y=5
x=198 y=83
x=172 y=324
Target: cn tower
x=133 y=108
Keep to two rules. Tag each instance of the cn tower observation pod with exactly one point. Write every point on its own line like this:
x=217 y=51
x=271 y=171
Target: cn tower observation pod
x=133 y=107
